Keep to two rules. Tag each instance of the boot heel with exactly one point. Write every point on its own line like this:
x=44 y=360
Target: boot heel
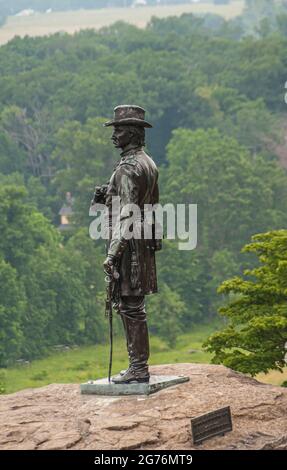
x=142 y=381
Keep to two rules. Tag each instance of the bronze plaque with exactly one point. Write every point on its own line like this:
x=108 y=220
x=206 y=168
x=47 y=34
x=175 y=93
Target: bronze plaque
x=211 y=424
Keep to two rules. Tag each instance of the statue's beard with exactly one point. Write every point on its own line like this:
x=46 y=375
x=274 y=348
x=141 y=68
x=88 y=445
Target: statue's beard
x=116 y=143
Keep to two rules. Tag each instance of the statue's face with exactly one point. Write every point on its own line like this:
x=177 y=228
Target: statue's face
x=121 y=136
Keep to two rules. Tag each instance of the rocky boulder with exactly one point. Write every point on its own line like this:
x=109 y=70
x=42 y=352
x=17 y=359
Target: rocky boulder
x=59 y=417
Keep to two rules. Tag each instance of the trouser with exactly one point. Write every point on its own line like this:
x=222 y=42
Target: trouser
x=133 y=314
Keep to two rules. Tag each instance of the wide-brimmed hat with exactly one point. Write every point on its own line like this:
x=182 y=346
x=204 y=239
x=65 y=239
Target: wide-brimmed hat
x=128 y=115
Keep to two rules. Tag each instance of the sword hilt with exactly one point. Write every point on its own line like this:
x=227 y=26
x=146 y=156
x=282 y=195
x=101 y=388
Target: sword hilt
x=110 y=277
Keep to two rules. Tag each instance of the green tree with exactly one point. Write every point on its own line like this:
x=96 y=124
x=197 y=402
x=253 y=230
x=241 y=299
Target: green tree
x=31 y=134
x=222 y=264
x=12 y=157
x=23 y=228
x=256 y=335
x=48 y=289
x=236 y=195
x=87 y=159
x=259 y=16
x=165 y=311
x=12 y=307
x=282 y=22
x=187 y=274
x=90 y=255
x=37 y=194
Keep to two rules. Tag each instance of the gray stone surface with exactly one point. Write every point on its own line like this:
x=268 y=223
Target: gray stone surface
x=156 y=383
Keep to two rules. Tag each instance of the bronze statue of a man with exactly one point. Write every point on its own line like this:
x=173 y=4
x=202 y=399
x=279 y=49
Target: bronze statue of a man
x=134 y=181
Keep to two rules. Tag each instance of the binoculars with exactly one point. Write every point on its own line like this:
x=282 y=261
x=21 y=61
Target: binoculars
x=100 y=194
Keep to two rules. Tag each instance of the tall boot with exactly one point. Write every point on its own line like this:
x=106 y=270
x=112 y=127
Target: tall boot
x=125 y=330
x=138 y=349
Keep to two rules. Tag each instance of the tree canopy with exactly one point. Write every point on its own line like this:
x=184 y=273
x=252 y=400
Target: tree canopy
x=255 y=337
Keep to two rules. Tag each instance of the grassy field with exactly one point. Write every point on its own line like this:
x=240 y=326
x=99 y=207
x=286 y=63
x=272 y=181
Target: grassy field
x=80 y=365
x=72 y=21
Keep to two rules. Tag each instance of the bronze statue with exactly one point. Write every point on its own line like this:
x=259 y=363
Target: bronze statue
x=134 y=181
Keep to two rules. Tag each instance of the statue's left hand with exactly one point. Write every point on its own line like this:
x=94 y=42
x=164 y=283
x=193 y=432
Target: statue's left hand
x=109 y=265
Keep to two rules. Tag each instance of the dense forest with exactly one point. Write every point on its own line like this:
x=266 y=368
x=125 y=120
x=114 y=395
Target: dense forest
x=215 y=96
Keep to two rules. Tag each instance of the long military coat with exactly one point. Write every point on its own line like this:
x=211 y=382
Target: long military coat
x=134 y=181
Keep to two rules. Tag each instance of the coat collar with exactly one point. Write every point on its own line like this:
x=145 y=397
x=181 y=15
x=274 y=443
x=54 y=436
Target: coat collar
x=129 y=152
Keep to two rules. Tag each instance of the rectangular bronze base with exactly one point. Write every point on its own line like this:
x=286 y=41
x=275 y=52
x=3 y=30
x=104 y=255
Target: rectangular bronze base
x=156 y=383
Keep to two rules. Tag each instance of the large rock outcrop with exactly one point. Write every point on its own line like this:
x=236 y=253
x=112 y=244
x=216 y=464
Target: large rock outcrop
x=58 y=417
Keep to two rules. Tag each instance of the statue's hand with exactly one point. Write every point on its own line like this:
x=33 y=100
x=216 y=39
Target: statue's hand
x=100 y=194
x=109 y=266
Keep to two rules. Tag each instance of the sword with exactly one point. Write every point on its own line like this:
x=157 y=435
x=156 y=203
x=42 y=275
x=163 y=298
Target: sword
x=110 y=281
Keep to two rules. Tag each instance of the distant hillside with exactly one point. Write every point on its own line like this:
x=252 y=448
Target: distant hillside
x=14 y=6
x=41 y=24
